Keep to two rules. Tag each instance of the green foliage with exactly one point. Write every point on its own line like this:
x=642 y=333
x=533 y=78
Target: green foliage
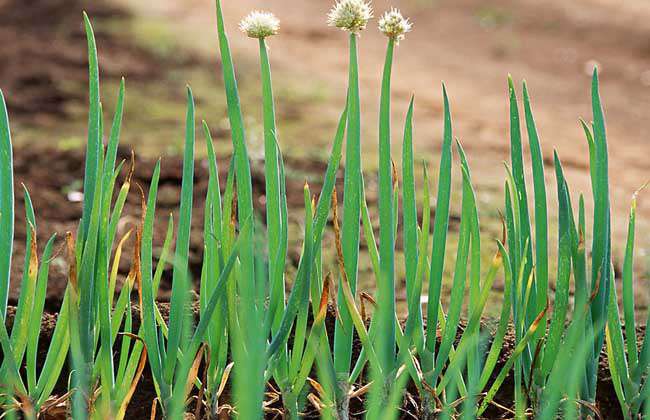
x=243 y=321
x=6 y=205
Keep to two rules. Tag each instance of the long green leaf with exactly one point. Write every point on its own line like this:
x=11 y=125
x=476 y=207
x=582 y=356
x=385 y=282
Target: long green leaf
x=561 y=300
x=148 y=316
x=94 y=136
x=37 y=313
x=497 y=342
x=6 y=205
x=628 y=290
x=440 y=227
x=517 y=162
x=272 y=183
x=322 y=211
x=20 y=330
x=541 y=217
x=601 y=241
x=459 y=279
x=179 y=281
x=410 y=210
x=114 y=139
x=519 y=348
x=351 y=213
x=386 y=279
x=250 y=388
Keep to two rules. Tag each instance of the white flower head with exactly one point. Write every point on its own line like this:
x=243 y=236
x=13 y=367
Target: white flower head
x=394 y=25
x=350 y=15
x=259 y=24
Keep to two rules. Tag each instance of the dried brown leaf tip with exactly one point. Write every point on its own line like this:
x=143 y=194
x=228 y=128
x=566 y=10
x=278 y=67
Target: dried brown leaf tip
x=72 y=260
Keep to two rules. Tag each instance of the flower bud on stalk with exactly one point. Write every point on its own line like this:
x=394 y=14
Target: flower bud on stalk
x=260 y=25
x=350 y=15
x=394 y=25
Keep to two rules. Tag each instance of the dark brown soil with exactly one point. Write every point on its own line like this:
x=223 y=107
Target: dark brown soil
x=53 y=177
x=43 y=70
x=140 y=406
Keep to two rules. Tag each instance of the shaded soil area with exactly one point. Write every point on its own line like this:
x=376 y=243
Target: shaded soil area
x=54 y=181
x=43 y=60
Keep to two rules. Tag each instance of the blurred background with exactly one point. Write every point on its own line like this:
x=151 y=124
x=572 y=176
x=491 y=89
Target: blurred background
x=471 y=45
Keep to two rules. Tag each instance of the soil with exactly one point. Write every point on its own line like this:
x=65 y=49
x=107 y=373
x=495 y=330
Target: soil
x=140 y=406
x=472 y=46
x=43 y=74
x=43 y=70
x=551 y=44
x=53 y=179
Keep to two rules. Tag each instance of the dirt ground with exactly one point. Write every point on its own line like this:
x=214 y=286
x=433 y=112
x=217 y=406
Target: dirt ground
x=57 y=211
x=44 y=60
x=472 y=45
x=140 y=406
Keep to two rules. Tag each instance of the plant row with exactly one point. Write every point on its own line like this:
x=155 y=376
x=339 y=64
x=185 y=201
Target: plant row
x=253 y=331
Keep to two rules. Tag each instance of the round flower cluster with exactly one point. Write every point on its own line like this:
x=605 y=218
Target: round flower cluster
x=260 y=24
x=394 y=25
x=350 y=15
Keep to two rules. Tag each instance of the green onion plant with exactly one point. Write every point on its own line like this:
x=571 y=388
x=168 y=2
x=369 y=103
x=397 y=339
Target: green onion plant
x=249 y=340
